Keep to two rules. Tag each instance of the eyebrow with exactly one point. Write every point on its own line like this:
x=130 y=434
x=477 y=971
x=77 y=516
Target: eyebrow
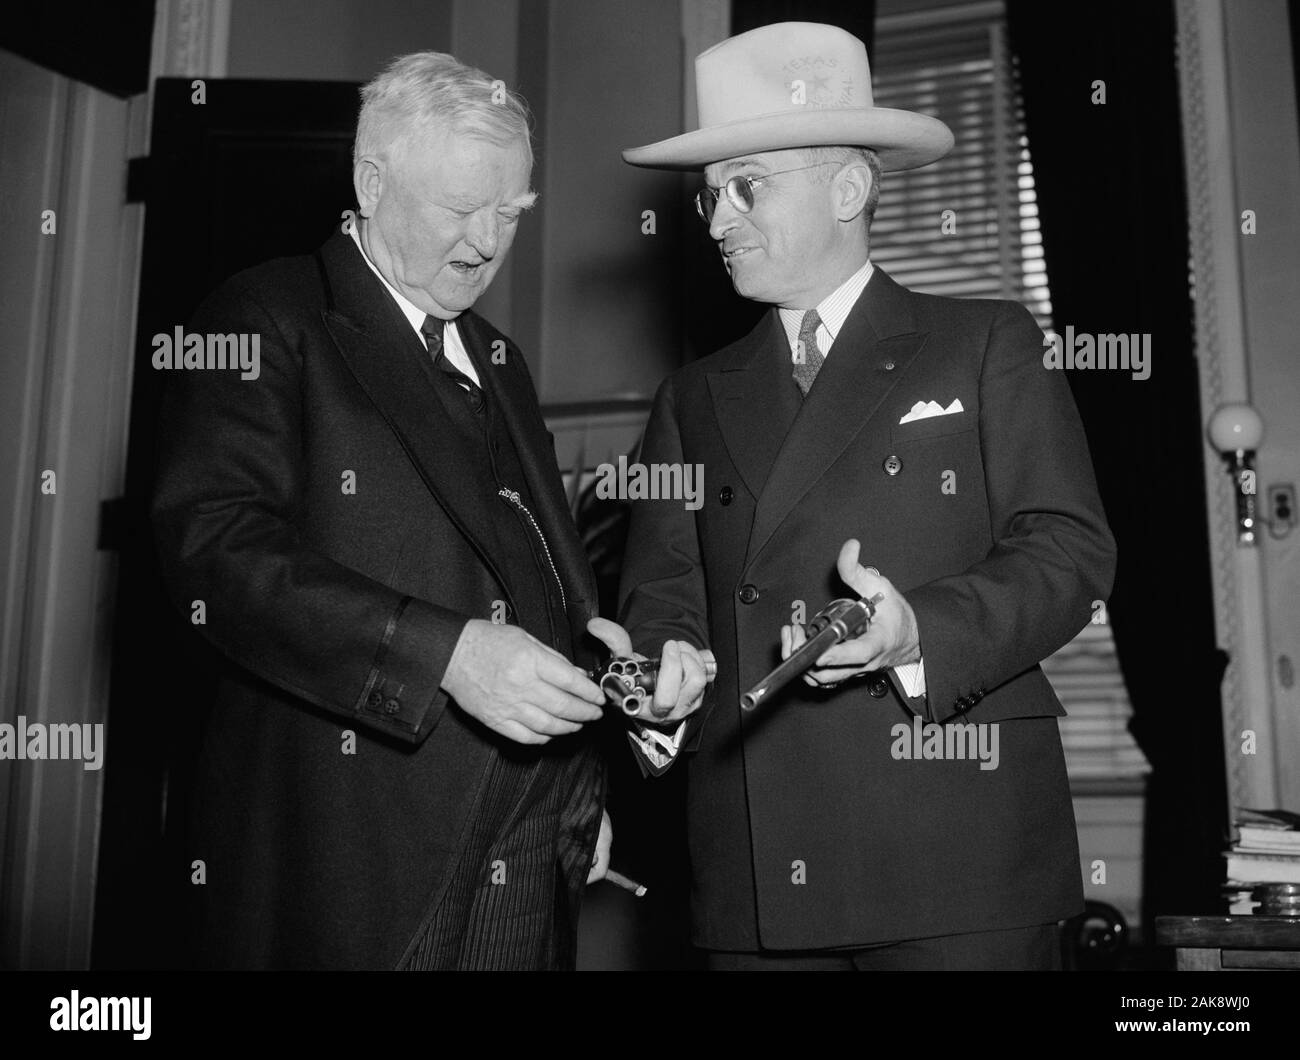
x=468 y=205
x=729 y=170
x=522 y=202
x=744 y=163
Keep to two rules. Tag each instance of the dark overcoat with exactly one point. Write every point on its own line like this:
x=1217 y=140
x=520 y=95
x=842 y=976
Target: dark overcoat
x=325 y=516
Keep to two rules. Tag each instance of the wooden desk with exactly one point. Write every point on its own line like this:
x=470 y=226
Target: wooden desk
x=1214 y=943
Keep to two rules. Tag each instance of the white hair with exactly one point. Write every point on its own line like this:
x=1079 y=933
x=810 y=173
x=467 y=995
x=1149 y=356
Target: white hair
x=428 y=91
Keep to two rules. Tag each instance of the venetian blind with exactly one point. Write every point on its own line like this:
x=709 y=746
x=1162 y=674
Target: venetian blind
x=966 y=226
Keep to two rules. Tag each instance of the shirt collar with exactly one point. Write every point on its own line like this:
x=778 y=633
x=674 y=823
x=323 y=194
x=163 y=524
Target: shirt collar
x=413 y=313
x=834 y=309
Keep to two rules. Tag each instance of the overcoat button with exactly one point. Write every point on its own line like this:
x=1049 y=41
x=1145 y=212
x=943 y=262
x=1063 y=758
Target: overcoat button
x=878 y=687
x=892 y=465
x=392 y=706
x=725 y=494
x=748 y=593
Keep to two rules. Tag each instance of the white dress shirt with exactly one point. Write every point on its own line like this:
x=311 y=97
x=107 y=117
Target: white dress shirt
x=451 y=343
x=834 y=309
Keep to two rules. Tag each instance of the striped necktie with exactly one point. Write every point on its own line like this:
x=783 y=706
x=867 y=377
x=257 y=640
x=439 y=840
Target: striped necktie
x=433 y=332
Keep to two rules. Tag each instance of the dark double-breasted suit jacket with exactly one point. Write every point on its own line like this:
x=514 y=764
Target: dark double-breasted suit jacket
x=808 y=828
x=338 y=609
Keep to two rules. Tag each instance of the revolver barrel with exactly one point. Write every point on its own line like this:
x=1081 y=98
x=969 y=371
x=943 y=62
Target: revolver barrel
x=838 y=621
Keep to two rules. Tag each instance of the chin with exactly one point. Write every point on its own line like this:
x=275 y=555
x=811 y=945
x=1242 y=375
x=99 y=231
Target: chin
x=461 y=298
x=747 y=288
x=747 y=282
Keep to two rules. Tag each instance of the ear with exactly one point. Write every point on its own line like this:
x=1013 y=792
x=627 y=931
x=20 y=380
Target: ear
x=368 y=183
x=850 y=189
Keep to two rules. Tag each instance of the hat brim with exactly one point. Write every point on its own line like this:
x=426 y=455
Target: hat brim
x=902 y=138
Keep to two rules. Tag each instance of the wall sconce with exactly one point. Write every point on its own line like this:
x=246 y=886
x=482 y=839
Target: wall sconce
x=1236 y=431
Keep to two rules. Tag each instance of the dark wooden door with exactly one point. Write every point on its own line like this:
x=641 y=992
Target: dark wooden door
x=258 y=169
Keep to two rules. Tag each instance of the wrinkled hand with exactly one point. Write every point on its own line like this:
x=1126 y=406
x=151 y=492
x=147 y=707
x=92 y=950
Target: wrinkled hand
x=600 y=863
x=517 y=686
x=892 y=639
x=679 y=689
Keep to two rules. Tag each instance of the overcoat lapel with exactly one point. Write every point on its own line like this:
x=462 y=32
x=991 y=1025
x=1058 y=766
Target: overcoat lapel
x=393 y=367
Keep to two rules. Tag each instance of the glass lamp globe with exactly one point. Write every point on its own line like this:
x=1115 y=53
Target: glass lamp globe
x=1234 y=428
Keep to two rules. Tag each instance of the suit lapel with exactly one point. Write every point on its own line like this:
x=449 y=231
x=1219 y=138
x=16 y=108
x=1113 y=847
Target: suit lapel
x=392 y=366
x=755 y=400
x=510 y=388
x=871 y=353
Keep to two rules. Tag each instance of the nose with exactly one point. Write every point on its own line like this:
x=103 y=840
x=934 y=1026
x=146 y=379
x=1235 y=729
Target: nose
x=484 y=234
x=725 y=218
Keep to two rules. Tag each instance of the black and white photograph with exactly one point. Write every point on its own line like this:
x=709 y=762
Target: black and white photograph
x=663 y=486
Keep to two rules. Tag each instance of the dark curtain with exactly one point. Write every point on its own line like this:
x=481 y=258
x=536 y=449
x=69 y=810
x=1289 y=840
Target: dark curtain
x=1112 y=203
x=1293 y=19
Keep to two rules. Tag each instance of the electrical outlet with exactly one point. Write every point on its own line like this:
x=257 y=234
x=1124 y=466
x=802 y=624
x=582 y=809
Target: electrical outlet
x=1281 y=510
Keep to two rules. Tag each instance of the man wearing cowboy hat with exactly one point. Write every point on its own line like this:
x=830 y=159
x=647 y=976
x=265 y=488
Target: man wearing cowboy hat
x=907 y=806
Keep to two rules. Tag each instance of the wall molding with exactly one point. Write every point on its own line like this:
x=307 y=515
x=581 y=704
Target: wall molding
x=1221 y=354
x=191 y=38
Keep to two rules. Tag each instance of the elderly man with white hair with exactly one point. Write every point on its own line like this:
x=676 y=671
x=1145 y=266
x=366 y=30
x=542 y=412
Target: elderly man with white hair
x=398 y=770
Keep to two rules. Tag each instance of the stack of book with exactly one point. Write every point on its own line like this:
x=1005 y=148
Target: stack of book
x=1264 y=863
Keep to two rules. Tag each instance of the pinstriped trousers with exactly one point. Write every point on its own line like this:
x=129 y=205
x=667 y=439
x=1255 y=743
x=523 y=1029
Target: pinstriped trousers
x=506 y=907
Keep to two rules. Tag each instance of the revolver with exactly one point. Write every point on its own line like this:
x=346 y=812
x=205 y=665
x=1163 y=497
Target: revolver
x=838 y=621
x=629 y=684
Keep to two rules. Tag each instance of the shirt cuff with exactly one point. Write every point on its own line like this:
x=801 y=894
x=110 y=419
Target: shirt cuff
x=912 y=678
x=658 y=746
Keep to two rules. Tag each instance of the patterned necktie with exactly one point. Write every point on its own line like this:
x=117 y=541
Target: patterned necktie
x=432 y=332
x=807 y=366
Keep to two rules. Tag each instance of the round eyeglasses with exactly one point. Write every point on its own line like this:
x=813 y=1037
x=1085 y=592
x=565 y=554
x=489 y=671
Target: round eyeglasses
x=740 y=191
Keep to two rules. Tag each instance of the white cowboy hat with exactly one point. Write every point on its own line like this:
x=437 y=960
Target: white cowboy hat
x=793 y=84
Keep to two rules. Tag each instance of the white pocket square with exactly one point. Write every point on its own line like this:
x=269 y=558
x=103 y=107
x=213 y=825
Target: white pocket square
x=923 y=410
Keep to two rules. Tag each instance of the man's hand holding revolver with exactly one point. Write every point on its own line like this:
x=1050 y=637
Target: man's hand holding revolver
x=684 y=673
x=891 y=640
x=517 y=686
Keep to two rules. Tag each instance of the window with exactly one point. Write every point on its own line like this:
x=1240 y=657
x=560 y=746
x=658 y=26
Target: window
x=966 y=226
